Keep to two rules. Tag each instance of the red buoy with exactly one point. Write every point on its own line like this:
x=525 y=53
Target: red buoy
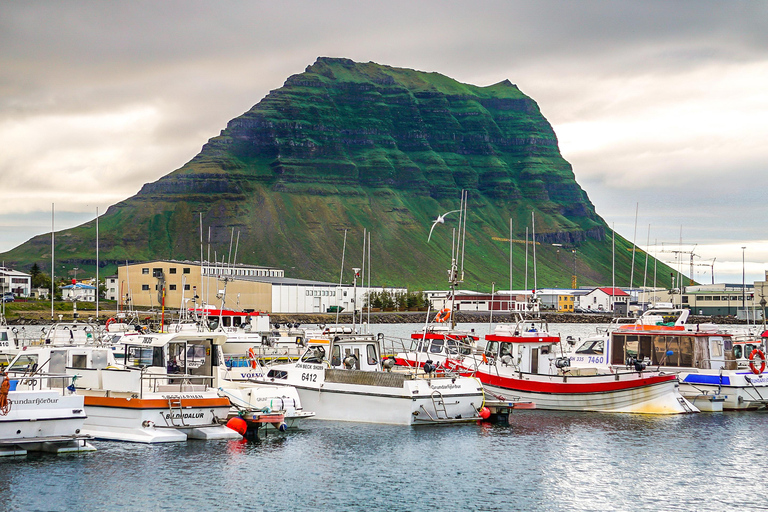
x=238 y=425
x=484 y=413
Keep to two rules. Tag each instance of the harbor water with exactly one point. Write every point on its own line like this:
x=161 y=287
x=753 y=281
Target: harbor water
x=542 y=460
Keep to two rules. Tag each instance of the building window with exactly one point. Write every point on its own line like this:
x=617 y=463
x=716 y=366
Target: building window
x=186 y=270
x=186 y=287
x=145 y=287
x=157 y=272
x=172 y=270
x=172 y=287
x=145 y=271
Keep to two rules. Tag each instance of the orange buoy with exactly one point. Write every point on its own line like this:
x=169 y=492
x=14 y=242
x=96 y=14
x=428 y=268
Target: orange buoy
x=238 y=424
x=484 y=413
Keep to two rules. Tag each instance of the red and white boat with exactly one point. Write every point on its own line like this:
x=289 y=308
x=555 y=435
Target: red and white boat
x=521 y=359
x=436 y=343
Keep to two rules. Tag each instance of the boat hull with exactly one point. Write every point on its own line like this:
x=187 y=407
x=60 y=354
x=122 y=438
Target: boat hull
x=382 y=397
x=738 y=390
x=154 y=420
x=618 y=393
x=345 y=403
x=43 y=421
x=263 y=397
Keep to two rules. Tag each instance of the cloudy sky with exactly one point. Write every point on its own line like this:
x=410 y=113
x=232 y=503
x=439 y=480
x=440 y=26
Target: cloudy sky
x=658 y=105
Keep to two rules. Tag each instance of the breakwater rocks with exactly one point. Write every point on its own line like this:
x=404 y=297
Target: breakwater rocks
x=385 y=317
x=407 y=317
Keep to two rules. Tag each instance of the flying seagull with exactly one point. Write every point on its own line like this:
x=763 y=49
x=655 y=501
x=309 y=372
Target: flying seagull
x=439 y=220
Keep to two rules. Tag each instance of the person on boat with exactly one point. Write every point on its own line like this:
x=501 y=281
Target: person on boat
x=173 y=366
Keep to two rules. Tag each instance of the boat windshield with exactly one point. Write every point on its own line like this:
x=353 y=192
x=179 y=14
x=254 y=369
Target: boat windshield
x=744 y=350
x=591 y=347
x=144 y=356
x=436 y=347
x=24 y=363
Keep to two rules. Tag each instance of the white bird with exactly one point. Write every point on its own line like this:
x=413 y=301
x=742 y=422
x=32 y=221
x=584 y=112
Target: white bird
x=439 y=220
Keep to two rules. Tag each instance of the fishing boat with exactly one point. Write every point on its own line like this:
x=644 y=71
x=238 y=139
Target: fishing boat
x=526 y=360
x=715 y=368
x=435 y=343
x=164 y=391
x=346 y=381
x=35 y=417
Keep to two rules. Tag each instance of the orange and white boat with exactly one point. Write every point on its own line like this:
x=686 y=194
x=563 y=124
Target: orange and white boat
x=164 y=391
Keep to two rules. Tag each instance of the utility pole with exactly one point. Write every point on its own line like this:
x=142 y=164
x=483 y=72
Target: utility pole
x=573 y=276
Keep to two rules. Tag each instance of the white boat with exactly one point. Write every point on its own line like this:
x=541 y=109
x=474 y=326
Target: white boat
x=166 y=390
x=35 y=419
x=712 y=366
x=346 y=382
x=522 y=359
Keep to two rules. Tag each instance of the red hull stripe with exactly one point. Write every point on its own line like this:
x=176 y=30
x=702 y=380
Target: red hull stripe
x=570 y=387
x=522 y=339
x=438 y=336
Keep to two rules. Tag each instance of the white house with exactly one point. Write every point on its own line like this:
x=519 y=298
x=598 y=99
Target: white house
x=15 y=282
x=603 y=299
x=79 y=292
x=112 y=292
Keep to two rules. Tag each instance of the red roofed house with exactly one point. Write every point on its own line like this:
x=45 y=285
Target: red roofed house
x=603 y=299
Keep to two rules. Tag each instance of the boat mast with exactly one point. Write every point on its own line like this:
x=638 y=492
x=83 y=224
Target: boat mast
x=634 y=238
x=52 y=259
x=341 y=275
x=97 y=265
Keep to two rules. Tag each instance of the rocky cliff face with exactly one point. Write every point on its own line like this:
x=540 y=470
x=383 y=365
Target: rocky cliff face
x=348 y=146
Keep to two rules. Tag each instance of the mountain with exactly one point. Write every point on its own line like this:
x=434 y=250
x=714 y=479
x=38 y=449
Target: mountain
x=353 y=146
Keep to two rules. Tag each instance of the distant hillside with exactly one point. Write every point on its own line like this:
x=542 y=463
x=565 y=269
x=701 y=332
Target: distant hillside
x=348 y=146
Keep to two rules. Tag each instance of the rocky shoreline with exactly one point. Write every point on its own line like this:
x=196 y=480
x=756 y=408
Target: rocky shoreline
x=387 y=317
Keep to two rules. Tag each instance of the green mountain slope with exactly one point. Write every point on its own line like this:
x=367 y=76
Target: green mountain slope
x=353 y=146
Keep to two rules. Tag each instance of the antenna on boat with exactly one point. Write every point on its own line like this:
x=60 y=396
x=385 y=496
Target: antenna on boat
x=53 y=245
x=526 y=257
x=634 y=238
x=97 y=266
x=533 y=237
x=456 y=272
x=341 y=274
x=645 y=271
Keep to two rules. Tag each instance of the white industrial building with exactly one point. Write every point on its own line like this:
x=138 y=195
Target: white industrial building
x=15 y=282
x=302 y=296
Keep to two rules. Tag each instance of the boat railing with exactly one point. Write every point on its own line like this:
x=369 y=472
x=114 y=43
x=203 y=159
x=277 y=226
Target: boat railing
x=41 y=381
x=174 y=382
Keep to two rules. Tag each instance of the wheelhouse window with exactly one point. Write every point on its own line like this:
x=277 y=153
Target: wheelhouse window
x=371 y=353
x=25 y=363
x=277 y=374
x=139 y=356
x=436 y=347
x=591 y=347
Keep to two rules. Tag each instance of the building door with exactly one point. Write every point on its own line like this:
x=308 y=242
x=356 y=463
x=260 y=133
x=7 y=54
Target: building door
x=316 y=304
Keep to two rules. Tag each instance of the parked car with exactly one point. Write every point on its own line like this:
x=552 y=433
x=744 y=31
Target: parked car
x=8 y=298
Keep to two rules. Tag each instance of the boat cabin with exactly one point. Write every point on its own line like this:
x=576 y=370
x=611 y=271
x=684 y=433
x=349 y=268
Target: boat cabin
x=525 y=345
x=672 y=348
x=349 y=352
x=438 y=339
